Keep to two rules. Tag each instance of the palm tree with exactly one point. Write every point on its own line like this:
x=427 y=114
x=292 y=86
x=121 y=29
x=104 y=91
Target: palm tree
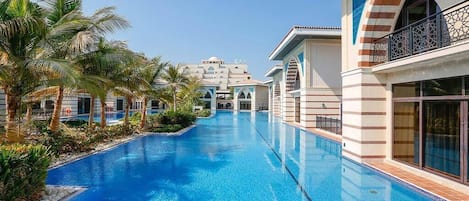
x=22 y=29
x=71 y=34
x=190 y=93
x=101 y=65
x=129 y=81
x=150 y=72
x=175 y=80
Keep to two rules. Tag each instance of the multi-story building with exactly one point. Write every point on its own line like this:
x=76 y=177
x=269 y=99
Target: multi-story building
x=405 y=75
x=215 y=70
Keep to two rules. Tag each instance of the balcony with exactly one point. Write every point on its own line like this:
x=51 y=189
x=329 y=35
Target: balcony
x=446 y=28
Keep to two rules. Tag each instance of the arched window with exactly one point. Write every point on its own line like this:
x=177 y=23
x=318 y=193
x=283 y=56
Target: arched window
x=249 y=96
x=415 y=10
x=207 y=95
x=241 y=95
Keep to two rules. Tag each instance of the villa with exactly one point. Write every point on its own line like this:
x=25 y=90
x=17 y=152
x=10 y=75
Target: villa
x=399 y=86
x=250 y=95
x=405 y=85
x=307 y=86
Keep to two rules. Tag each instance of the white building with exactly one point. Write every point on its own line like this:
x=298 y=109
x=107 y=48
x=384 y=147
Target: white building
x=307 y=86
x=215 y=70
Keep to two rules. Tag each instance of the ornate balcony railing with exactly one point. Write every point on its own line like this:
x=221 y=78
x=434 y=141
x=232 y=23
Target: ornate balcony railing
x=436 y=31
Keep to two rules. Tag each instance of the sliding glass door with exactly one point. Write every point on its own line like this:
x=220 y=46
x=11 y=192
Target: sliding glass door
x=442 y=137
x=430 y=126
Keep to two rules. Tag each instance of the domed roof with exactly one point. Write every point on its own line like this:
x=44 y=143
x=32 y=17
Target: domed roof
x=214 y=59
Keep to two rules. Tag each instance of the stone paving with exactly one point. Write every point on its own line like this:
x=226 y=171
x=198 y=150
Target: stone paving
x=60 y=193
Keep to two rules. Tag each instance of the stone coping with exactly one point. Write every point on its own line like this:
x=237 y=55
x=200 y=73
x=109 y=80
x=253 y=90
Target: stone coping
x=56 y=193
x=61 y=193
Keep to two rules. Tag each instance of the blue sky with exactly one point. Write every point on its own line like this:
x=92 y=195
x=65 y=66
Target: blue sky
x=187 y=31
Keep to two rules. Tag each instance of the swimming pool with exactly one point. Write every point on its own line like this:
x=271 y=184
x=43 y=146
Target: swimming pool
x=232 y=156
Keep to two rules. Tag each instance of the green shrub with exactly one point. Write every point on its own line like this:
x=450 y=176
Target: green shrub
x=23 y=171
x=76 y=123
x=179 y=117
x=134 y=119
x=203 y=113
x=40 y=126
x=61 y=142
x=168 y=128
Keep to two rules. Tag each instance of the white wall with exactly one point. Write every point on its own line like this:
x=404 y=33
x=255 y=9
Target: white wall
x=325 y=64
x=262 y=96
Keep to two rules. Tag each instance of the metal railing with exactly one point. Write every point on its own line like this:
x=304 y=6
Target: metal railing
x=331 y=124
x=439 y=30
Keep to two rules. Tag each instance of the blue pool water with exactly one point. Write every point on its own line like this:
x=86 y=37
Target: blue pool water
x=232 y=156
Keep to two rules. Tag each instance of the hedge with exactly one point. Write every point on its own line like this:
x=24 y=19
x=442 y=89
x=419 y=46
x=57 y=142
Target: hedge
x=23 y=171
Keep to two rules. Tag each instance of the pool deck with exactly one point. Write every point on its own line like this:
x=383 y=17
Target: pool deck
x=419 y=181
x=403 y=174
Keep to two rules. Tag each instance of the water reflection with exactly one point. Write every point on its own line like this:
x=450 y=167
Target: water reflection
x=319 y=167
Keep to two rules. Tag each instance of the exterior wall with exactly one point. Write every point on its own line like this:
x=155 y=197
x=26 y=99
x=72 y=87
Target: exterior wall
x=318 y=102
x=324 y=64
x=261 y=94
x=320 y=82
x=270 y=99
x=277 y=99
x=363 y=115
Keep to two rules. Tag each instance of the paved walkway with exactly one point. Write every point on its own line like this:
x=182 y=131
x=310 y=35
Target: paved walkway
x=419 y=181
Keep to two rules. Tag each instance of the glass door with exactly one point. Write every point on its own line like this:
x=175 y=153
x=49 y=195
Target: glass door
x=442 y=137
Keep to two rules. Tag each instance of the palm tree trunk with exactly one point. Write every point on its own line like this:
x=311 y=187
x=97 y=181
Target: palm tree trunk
x=144 y=112
x=127 y=110
x=91 y=117
x=174 y=101
x=12 y=101
x=29 y=112
x=55 y=121
x=103 y=112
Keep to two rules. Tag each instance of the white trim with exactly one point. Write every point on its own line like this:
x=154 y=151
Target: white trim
x=298 y=31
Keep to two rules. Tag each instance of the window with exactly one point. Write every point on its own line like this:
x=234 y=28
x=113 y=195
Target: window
x=207 y=95
x=415 y=10
x=241 y=95
x=430 y=128
x=406 y=135
x=443 y=87
x=248 y=96
x=210 y=70
x=410 y=89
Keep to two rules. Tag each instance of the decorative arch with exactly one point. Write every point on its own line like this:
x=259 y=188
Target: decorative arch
x=378 y=18
x=293 y=76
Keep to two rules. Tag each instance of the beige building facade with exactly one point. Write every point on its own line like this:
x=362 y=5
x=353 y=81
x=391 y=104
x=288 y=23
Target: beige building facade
x=215 y=70
x=250 y=95
x=405 y=85
x=307 y=85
